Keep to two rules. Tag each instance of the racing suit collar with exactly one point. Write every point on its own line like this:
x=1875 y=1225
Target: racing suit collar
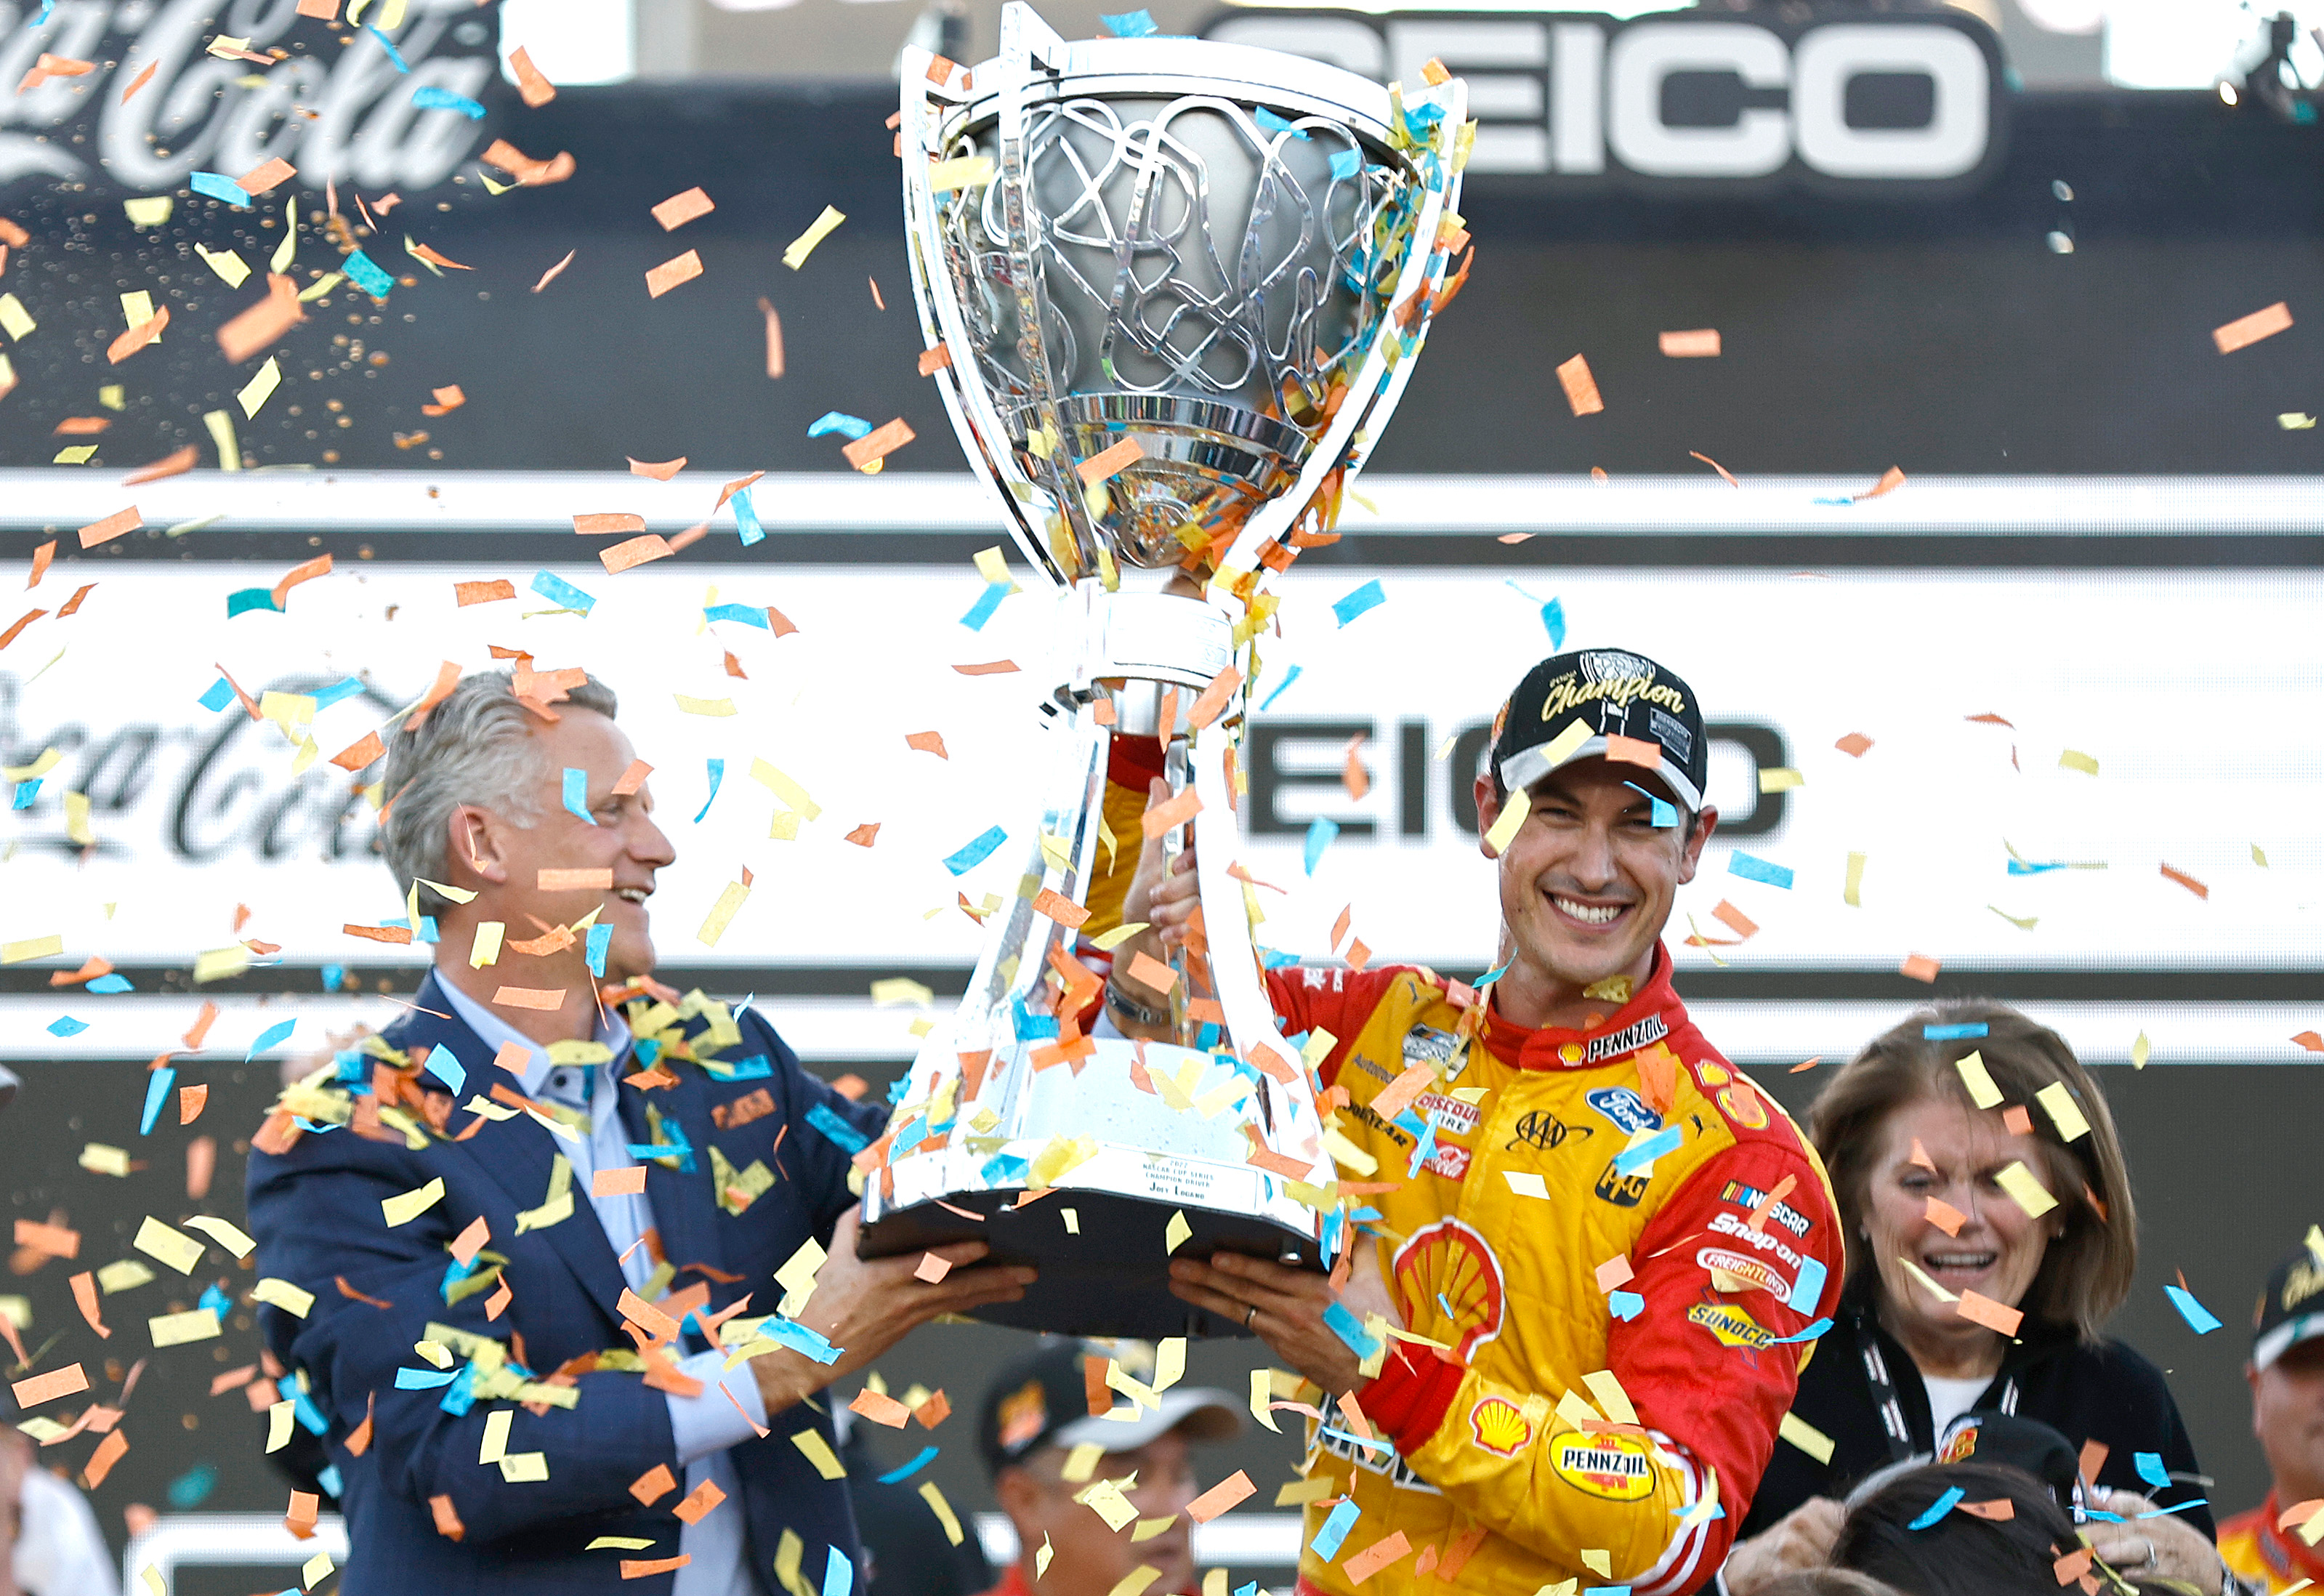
x=2283 y=1552
x=1652 y=1012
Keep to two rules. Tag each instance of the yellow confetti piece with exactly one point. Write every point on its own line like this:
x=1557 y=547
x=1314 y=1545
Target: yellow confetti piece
x=50 y=758
x=2073 y=759
x=2140 y=1051
x=1080 y=1463
x=15 y=319
x=796 y=255
x=993 y=566
x=487 y=947
x=494 y=1445
x=284 y=252
x=1780 y=778
x=315 y=1570
x=901 y=989
x=153 y=1581
x=100 y=1159
x=1135 y=1583
x=149 y=211
x=942 y=1509
x=31 y=948
x=2028 y=1193
x=225 y=1234
x=158 y=1242
x=1259 y=1394
x=1613 y=1401
x=1169 y=1362
x=228 y=264
x=260 y=388
x=818 y=1450
x=1982 y=1092
x=137 y=309
x=122 y=1275
x=1118 y=935
x=2294 y=421
x=1072 y=1218
x=1504 y=825
x=2027 y=923
x=174 y=1330
x=221 y=427
x=710 y=707
x=220 y=963
x=112 y=396
x=1852 y=894
x=1041 y=1559
x=410 y=1205
x=1525 y=1182
x=722 y=914
x=524 y=1468
x=797 y=1277
x=784 y=787
x=278 y=1424
x=962 y=171
x=1806 y=1437
x=1299 y=1494
x=618 y=1542
x=79 y=454
x=284 y=1296
x=2063 y=1111
x=1105 y=1499
x=1927 y=1284
x=1598 y=1563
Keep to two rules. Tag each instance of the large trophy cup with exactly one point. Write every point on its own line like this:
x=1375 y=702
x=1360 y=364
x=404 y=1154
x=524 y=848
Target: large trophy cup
x=1171 y=291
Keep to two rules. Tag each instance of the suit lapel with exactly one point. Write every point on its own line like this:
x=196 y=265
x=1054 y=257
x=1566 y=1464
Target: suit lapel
x=685 y=1206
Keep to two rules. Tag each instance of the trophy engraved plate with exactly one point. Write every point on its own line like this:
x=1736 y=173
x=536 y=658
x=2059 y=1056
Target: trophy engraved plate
x=1177 y=288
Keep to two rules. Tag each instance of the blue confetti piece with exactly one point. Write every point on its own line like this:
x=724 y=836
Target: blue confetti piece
x=446 y=1066
x=1754 y=869
x=1349 y=1329
x=426 y=930
x=422 y=1379
x=1939 y=1508
x=336 y=693
x=221 y=694
x=65 y=1025
x=280 y=1031
x=558 y=590
x=1808 y=1290
x=576 y=794
x=1249 y=1587
x=330 y=1480
x=1334 y=1533
x=428 y=98
x=1367 y=597
x=191 y=1488
x=897 y=1476
x=1953 y=1033
x=976 y=852
x=1490 y=976
x=1269 y=700
x=1004 y=1169
x=388 y=45
x=2199 y=1318
x=754 y=1068
x=838 y=1572
x=219 y=187
x=461 y=1395
x=334 y=977
x=1552 y=620
x=109 y=984
x=986 y=602
x=48 y=9
x=1641 y=1157
x=1130 y=24
x=601 y=938
x=1660 y=815
x=746 y=521
x=1814 y=1331
x=1028 y=1026
x=157 y=1092
x=27 y=792
x=1346 y=164
x=850 y=1140
x=745 y=613
x=2200 y=1501
x=244 y=600
x=365 y=273
x=1320 y=835
x=1625 y=1306
x=2151 y=1470
x=1269 y=122
x=718 y=775
x=2019 y=867
x=848 y=426
x=801 y=1340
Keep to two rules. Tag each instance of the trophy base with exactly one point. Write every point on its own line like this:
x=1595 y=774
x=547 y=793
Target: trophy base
x=1111 y=1279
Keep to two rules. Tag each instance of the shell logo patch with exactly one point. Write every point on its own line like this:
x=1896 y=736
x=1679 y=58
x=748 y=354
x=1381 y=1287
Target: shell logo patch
x=1450 y=1268
x=1741 y=1104
x=1731 y=1325
x=1614 y=1468
x=1499 y=1426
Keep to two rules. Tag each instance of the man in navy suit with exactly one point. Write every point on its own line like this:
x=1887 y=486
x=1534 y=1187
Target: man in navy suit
x=530 y=1211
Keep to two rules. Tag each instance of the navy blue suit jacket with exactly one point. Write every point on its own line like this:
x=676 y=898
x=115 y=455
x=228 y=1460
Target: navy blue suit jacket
x=316 y=1213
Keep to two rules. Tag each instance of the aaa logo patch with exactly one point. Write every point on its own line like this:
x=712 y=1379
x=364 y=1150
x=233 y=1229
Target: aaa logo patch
x=1499 y=1426
x=1612 y=1467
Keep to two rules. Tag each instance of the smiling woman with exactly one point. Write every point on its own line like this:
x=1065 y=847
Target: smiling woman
x=1991 y=1234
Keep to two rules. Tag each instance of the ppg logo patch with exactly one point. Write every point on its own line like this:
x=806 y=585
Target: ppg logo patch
x=1626 y=1109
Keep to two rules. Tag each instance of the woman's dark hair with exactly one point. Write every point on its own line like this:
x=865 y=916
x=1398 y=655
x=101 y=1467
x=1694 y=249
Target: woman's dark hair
x=2086 y=1273
x=1826 y=1582
x=1962 y=1553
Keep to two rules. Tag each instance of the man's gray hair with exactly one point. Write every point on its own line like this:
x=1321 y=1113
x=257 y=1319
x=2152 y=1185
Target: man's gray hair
x=475 y=747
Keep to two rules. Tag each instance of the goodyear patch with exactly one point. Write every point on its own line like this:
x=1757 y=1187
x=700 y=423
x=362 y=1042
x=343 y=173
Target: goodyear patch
x=1612 y=1468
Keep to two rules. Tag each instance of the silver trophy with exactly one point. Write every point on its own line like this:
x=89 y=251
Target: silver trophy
x=1171 y=291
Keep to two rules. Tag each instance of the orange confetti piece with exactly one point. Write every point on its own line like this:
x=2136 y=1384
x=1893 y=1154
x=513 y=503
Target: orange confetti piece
x=1109 y=462
x=699 y=1501
x=47 y=1387
x=192 y=1101
x=1735 y=920
x=659 y=470
x=47 y=551
x=320 y=565
x=879 y=300
x=1581 y=387
x=1725 y=476
x=991 y=668
x=879 y=443
x=618 y=1182
x=576 y=881
x=256 y=327
x=135 y=339
x=639 y=1568
x=483 y=593
x=2073 y=1566
x=534 y=89
x=633 y=552
x=608 y=521
x=633 y=779
x=1890 y=481
x=551 y=275
x=1223 y=1498
x=112 y=526
x=1920 y=967
x=679 y=209
x=774 y=338
x=2240 y=333
x=1945 y=1216
x=530 y=997
x=184 y=460
x=932 y=1268
x=933 y=361
x=109 y=1453
x=1176 y=811
x=1382 y=1552
x=264 y=178
x=1615 y=1273
x=2309 y=1040
x=1060 y=909
x=448 y=1517
x=2188 y=881
x=22 y=620
x=73 y=604
x=865 y=834
x=55 y=1241
x=2019 y=1121
x=927 y=743
x=1854 y=744
x=500 y=153
x=2000 y=1510
x=447 y=400
x=146 y=77
x=199 y=1032
x=1983 y=1310
x=677 y=269
x=1700 y=344
x=880 y=1409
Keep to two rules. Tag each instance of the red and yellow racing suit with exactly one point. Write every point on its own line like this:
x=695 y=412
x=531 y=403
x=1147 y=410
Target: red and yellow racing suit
x=2255 y=1549
x=1495 y=1245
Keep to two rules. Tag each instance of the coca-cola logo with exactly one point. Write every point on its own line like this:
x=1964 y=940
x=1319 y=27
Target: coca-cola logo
x=338 y=106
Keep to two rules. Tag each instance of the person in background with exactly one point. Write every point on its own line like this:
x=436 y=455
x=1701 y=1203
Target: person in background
x=906 y=1551
x=1035 y=1416
x=50 y=1544
x=1828 y=1582
x=2286 y=1373
x=2026 y=1204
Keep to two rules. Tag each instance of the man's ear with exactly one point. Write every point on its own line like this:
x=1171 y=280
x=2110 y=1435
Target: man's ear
x=1018 y=1494
x=1706 y=821
x=475 y=847
x=1489 y=809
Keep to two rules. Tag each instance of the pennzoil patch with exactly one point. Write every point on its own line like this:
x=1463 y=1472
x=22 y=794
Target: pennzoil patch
x=1613 y=1468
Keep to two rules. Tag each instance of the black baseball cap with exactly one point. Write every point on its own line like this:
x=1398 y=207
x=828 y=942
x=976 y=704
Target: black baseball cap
x=2027 y=1445
x=1603 y=704
x=1042 y=1399
x=2291 y=1309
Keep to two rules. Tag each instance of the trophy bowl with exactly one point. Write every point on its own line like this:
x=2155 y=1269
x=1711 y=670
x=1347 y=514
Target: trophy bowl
x=1170 y=290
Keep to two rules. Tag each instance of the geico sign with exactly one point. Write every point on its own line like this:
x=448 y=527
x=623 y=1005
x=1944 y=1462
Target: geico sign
x=1870 y=100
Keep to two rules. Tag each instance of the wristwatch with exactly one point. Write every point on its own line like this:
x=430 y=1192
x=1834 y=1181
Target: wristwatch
x=1139 y=1013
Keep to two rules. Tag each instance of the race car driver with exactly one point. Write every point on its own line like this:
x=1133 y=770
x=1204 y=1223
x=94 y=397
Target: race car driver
x=1619 y=1246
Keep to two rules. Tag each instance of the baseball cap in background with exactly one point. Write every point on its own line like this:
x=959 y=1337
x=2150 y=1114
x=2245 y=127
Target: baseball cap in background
x=1603 y=704
x=1042 y=1399
x=2291 y=1308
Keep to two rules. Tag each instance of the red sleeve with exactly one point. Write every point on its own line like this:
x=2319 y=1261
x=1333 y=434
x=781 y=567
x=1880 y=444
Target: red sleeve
x=1337 y=999
x=1706 y=1368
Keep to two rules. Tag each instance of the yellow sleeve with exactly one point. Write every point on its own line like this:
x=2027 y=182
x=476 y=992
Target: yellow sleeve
x=1125 y=815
